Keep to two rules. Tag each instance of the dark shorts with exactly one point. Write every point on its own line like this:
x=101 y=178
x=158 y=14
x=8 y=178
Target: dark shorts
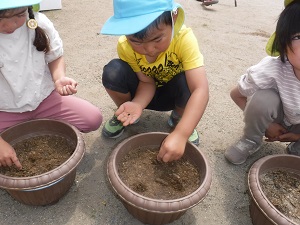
x=118 y=76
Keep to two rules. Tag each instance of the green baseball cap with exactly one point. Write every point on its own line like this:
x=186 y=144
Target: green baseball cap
x=272 y=38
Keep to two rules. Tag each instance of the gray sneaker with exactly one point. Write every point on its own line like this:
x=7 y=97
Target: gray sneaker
x=293 y=148
x=239 y=152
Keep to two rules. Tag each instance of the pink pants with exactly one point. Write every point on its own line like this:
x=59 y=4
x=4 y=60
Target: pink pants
x=76 y=111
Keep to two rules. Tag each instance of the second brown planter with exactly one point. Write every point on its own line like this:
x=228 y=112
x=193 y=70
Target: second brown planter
x=149 y=210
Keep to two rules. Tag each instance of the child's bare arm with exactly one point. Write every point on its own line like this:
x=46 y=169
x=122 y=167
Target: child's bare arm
x=63 y=84
x=174 y=145
x=57 y=68
x=145 y=90
x=196 y=105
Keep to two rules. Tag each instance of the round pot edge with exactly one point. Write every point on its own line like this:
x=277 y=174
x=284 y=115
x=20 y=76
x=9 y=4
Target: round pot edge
x=257 y=194
x=200 y=192
x=52 y=176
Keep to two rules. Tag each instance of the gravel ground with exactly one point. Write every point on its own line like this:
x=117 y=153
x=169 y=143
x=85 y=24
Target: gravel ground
x=231 y=39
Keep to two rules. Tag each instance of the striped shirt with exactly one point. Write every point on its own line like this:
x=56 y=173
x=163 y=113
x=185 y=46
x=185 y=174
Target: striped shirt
x=271 y=72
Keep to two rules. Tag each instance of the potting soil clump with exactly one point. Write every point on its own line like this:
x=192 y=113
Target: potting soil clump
x=141 y=172
x=282 y=188
x=39 y=155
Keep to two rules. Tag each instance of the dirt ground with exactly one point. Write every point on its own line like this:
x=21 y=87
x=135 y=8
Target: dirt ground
x=231 y=39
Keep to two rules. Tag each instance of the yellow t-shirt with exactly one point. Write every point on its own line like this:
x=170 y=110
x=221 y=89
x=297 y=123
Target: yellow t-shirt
x=183 y=54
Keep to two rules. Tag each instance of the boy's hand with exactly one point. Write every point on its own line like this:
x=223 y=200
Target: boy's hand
x=172 y=148
x=129 y=112
x=8 y=155
x=66 y=86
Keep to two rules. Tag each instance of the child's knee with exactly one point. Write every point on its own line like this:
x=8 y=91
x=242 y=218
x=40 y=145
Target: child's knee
x=93 y=121
x=112 y=72
x=264 y=101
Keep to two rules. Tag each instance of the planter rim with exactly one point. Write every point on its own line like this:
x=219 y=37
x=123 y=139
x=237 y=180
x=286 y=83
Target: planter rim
x=184 y=203
x=257 y=194
x=52 y=176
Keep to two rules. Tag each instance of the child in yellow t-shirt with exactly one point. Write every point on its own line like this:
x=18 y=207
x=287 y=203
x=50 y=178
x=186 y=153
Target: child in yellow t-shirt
x=160 y=68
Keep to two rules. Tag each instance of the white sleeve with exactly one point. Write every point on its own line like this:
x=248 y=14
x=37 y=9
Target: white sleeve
x=260 y=76
x=56 y=45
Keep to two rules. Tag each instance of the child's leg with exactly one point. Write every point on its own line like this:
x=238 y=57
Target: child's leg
x=120 y=82
x=76 y=111
x=8 y=119
x=173 y=95
x=261 y=110
x=118 y=77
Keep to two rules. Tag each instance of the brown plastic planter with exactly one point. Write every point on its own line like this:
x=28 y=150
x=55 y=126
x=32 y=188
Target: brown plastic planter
x=49 y=187
x=154 y=211
x=261 y=209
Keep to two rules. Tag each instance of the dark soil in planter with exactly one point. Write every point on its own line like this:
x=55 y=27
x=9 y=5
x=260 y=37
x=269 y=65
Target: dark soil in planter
x=282 y=188
x=141 y=172
x=39 y=155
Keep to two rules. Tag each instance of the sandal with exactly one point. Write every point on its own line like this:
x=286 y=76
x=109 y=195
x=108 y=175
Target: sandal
x=208 y=2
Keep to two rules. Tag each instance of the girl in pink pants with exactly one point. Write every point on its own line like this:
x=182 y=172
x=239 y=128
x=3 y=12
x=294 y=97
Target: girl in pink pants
x=33 y=81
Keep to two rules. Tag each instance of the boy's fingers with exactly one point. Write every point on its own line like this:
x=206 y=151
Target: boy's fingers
x=163 y=156
x=166 y=158
x=119 y=110
x=17 y=163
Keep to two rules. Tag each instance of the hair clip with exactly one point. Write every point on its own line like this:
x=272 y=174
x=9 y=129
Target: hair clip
x=174 y=11
x=32 y=24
